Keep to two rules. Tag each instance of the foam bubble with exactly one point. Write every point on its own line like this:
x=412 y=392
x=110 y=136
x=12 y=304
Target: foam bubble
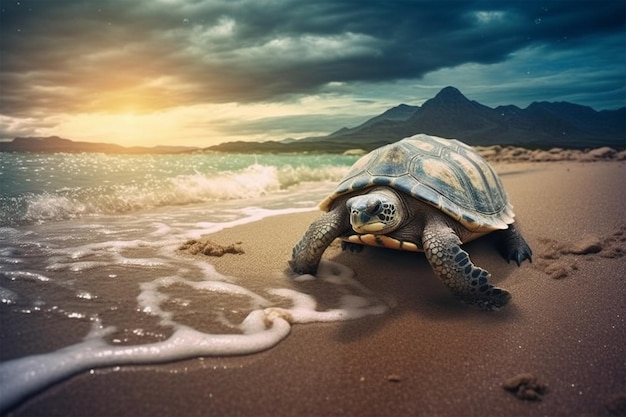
x=76 y=266
x=140 y=262
x=42 y=207
x=25 y=276
x=10 y=260
x=85 y=295
x=7 y=296
x=161 y=230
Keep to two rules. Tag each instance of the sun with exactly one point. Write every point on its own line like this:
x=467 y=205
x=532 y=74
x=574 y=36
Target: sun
x=126 y=128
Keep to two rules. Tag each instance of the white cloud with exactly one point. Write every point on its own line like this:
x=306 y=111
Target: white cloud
x=285 y=50
x=486 y=17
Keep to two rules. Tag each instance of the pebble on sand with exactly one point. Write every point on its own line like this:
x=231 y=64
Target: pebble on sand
x=526 y=386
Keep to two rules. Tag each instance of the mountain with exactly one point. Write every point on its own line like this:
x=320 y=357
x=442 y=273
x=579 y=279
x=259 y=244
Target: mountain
x=400 y=113
x=53 y=144
x=452 y=115
x=542 y=124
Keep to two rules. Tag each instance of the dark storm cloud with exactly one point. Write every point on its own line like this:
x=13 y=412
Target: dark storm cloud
x=80 y=56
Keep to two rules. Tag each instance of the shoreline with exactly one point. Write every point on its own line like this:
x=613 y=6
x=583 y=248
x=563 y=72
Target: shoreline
x=428 y=355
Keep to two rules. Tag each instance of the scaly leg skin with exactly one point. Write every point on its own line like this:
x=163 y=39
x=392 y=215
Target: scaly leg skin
x=308 y=251
x=513 y=247
x=454 y=267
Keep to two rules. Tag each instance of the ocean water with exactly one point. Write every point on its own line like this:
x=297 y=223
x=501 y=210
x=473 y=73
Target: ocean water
x=39 y=188
x=88 y=250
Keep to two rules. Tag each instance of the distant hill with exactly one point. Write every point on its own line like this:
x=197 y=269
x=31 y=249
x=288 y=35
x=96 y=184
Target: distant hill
x=541 y=125
x=450 y=114
x=52 y=144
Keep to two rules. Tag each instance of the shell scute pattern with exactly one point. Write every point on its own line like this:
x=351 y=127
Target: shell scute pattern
x=444 y=173
x=359 y=183
x=440 y=175
x=382 y=181
x=389 y=164
x=427 y=194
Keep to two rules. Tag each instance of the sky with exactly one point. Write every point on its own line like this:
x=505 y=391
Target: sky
x=201 y=72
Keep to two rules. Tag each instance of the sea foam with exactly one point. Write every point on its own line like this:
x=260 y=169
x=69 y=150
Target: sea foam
x=263 y=327
x=113 y=260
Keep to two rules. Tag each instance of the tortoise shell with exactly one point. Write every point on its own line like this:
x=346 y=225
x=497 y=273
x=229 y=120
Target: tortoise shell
x=445 y=173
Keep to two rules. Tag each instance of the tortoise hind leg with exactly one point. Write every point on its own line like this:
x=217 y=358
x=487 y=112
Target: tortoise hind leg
x=455 y=269
x=512 y=245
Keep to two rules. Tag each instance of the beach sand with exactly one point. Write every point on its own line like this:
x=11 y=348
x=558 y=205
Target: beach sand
x=429 y=355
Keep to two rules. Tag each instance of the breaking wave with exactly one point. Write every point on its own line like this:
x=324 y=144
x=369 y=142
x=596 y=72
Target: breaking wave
x=70 y=202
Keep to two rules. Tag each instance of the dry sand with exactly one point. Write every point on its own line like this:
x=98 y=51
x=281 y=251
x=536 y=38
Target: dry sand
x=562 y=339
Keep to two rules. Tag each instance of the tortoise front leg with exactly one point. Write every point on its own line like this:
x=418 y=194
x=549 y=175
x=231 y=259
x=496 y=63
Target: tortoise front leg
x=308 y=251
x=454 y=267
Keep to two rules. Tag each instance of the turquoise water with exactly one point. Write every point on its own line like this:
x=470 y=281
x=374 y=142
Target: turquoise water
x=37 y=188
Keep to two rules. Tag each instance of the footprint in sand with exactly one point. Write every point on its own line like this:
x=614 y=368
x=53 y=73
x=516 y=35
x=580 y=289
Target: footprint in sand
x=558 y=259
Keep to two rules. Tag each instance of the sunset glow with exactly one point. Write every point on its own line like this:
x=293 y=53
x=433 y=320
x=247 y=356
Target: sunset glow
x=200 y=73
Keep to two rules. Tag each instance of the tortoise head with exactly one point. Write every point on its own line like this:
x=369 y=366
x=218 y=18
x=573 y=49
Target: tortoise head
x=379 y=211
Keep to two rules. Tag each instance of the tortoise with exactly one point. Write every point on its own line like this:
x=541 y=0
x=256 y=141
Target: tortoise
x=423 y=194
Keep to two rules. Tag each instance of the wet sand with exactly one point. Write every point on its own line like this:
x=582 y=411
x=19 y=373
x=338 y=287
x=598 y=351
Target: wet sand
x=558 y=347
